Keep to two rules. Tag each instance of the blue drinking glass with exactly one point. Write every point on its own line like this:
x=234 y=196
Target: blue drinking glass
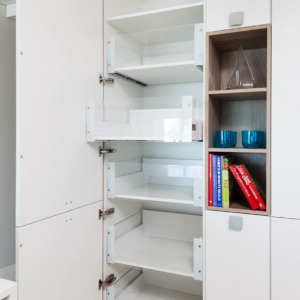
x=226 y=139
x=252 y=139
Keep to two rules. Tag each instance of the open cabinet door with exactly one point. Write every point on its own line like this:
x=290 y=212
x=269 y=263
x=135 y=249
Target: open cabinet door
x=59 y=174
x=59 y=59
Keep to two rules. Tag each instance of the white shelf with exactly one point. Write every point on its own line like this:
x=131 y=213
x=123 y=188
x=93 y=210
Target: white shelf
x=152 y=292
x=159 y=193
x=144 y=285
x=160 y=254
x=160 y=18
x=168 y=73
x=158 y=241
x=159 y=180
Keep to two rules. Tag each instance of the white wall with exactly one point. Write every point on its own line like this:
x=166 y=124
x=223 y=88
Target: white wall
x=7 y=138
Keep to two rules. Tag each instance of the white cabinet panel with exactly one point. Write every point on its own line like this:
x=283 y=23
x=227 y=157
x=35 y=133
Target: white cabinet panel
x=256 y=12
x=59 y=46
x=61 y=257
x=285 y=109
x=237 y=262
x=285 y=259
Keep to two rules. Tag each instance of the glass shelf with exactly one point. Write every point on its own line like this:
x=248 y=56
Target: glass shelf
x=174 y=119
x=165 y=242
x=169 y=55
x=159 y=180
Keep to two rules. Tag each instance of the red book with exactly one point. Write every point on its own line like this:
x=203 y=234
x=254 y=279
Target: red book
x=210 y=181
x=248 y=180
x=243 y=187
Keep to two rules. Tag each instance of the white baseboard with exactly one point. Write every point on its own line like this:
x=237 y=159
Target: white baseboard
x=8 y=273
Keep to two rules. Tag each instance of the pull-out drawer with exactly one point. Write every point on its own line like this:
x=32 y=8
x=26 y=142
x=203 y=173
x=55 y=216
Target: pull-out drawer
x=153 y=14
x=140 y=284
x=160 y=180
x=163 y=56
x=174 y=119
x=159 y=241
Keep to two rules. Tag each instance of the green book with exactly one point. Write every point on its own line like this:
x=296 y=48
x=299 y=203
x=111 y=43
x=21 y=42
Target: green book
x=226 y=188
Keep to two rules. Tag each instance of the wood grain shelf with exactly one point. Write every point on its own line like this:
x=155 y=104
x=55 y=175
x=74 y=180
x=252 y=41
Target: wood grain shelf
x=239 y=210
x=238 y=95
x=240 y=205
x=237 y=150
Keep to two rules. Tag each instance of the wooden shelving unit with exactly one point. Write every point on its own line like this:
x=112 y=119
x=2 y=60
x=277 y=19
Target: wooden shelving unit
x=237 y=110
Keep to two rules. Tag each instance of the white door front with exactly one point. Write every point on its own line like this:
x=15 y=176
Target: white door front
x=59 y=174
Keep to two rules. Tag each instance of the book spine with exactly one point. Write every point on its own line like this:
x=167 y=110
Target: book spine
x=225 y=182
x=210 y=179
x=251 y=186
x=219 y=181
x=215 y=181
x=243 y=187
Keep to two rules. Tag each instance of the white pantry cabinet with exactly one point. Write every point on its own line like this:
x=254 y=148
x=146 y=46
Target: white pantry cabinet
x=255 y=12
x=124 y=76
x=285 y=109
x=237 y=260
x=285 y=259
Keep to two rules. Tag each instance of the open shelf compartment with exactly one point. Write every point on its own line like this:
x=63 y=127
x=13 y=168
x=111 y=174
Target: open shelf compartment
x=158 y=241
x=223 y=56
x=164 y=56
x=174 y=119
x=256 y=164
x=158 y=180
x=156 y=16
x=236 y=116
x=140 y=284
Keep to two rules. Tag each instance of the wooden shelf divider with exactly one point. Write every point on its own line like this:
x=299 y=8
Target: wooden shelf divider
x=236 y=150
x=246 y=94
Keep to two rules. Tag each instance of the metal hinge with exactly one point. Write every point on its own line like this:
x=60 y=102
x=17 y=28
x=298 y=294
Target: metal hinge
x=109 y=281
x=106 y=80
x=104 y=151
x=106 y=213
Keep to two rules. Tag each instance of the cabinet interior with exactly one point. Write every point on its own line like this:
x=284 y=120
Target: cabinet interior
x=151 y=233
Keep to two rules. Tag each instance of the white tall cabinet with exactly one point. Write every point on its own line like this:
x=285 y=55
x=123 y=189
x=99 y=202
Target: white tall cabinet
x=285 y=107
x=285 y=123
x=238 y=260
x=124 y=75
x=151 y=55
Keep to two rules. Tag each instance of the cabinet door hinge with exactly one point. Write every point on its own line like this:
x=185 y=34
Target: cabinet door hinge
x=106 y=213
x=106 y=80
x=106 y=151
x=109 y=281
